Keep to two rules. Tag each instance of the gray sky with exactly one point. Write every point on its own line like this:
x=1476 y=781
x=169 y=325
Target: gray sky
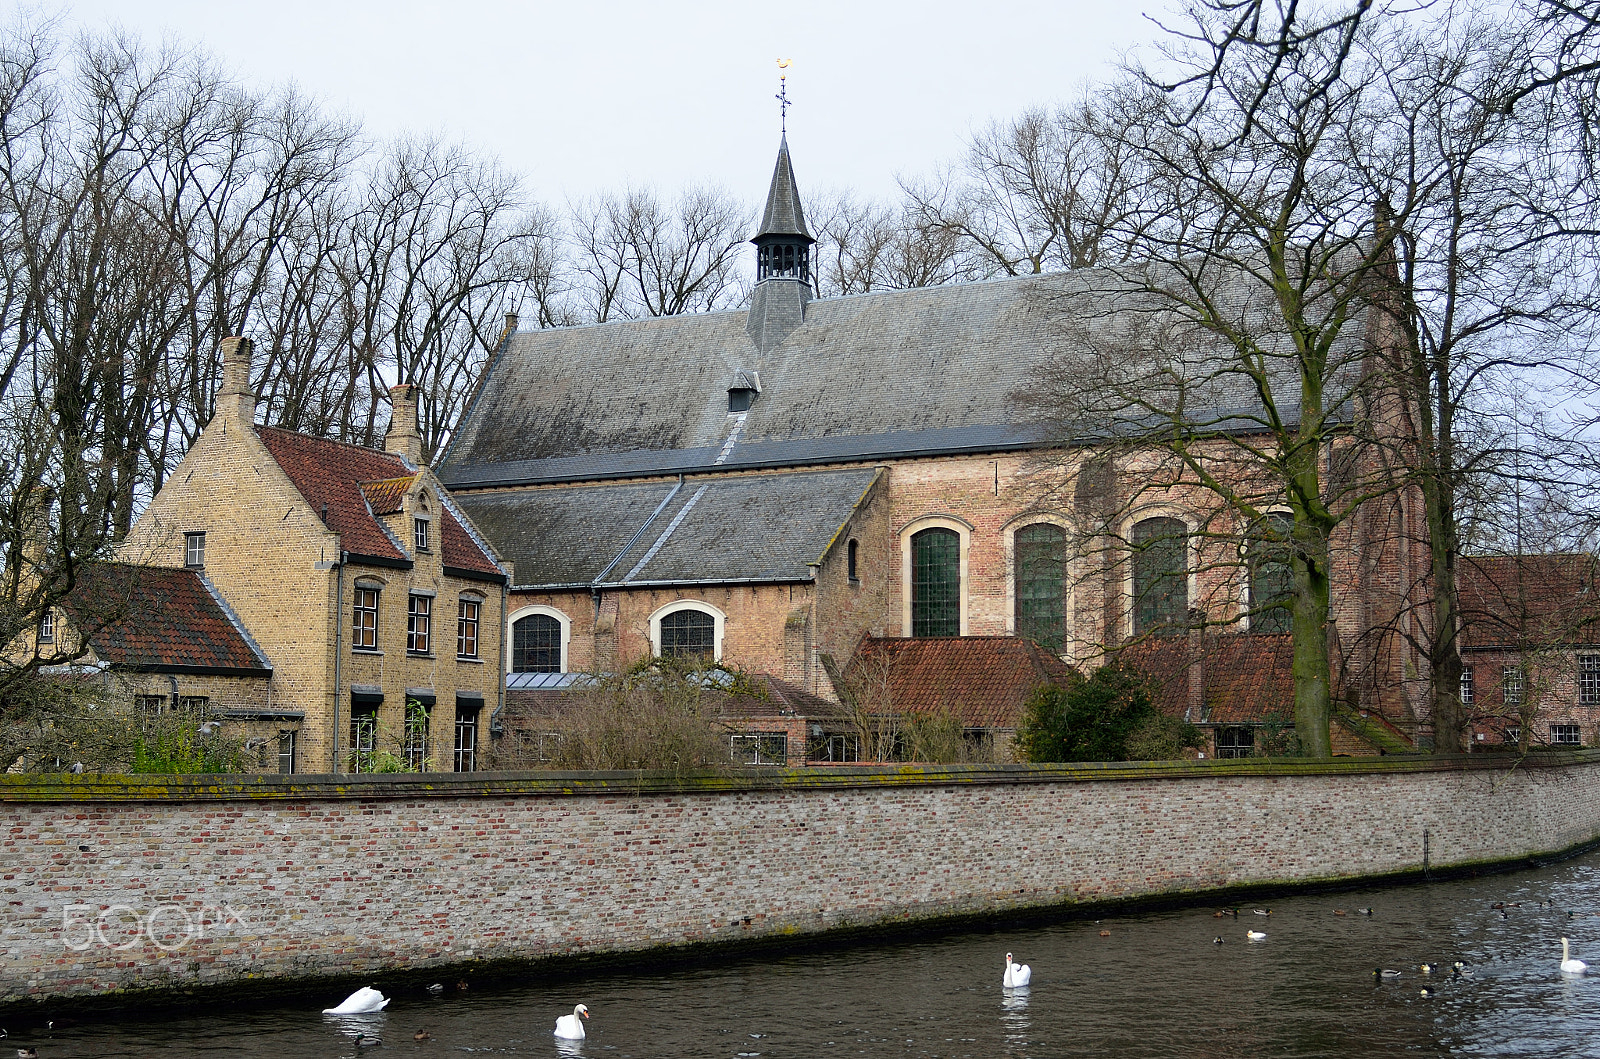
x=580 y=97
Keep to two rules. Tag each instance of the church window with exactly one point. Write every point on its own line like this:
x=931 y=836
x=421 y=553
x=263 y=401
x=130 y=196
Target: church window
x=1160 y=575
x=1271 y=577
x=536 y=644
x=688 y=634
x=1039 y=571
x=936 y=583
x=852 y=551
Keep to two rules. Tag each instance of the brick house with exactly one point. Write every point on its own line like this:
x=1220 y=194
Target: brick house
x=352 y=570
x=772 y=486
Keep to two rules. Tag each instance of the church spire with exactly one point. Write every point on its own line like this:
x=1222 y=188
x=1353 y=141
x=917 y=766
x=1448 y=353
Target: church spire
x=783 y=246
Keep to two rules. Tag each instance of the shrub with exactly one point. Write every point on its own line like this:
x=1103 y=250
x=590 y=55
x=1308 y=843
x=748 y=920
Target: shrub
x=1105 y=717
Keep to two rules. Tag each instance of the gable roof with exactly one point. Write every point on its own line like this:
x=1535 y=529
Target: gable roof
x=772 y=527
x=645 y=397
x=151 y=618
x=354 y=485
x=984 y=681
x=1529 y=600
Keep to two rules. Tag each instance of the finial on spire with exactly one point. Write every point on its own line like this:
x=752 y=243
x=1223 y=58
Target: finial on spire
x=783 y=95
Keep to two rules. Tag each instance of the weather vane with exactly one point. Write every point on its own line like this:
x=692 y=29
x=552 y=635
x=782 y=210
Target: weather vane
x=783 y=95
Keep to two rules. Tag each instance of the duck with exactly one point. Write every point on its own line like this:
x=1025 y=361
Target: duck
x=362 y=1002
x=1217 y=940
x=1426 y=968
x=1385 y=972
x=1340 y=912
x=1254 y=935
x=367 y=1040
x=1364 y=911
x=437 y=988
x=1569 y=965
x=27 y=1053
x=421 y=1035
x=570 y=1027
x=1263 y=911
x=1105 y=933
x=1427 y=990
x=1017 y=974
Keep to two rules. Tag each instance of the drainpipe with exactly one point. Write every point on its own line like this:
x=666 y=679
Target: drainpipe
x=500 y=681
x=338 y=652
x=174 y=693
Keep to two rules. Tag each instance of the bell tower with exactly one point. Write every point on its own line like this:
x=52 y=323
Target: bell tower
x=783 y=253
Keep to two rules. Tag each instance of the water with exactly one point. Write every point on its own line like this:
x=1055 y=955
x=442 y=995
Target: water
x=1156 y=986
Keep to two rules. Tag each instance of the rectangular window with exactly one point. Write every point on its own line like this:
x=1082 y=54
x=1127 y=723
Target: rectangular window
x=152 y=705
x=417 y=734
x=194 y=549
x=467 y=629
x=1565 y=735
x=419 y=533
x=194 y=703
x=363 y=737
x=1235 y=742
x=836 y=746
x=47 y=627
x=1511 y=685
x=1589 y=680
x=466 y=753
x=760 y=748
x=1467 y=693
x=364 y=620
x=286 y=752
x=1513 y=735
x=417 y=612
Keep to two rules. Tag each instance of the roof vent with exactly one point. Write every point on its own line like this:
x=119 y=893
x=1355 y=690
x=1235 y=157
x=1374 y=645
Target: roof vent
x=743 y=389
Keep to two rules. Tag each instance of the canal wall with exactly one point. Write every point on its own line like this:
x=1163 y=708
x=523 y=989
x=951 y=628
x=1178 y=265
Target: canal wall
x=132 y=888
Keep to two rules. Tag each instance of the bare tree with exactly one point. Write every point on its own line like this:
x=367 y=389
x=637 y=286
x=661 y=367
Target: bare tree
x=865 y=246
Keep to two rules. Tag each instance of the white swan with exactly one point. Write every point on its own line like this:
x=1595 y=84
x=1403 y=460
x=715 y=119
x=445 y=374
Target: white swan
x=1254 y=935
x=1017 y=974
x=570 y=1027
x=363 y=1001
x=1568 y=964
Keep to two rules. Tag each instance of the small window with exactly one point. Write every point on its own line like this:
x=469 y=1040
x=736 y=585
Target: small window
x=363 y=736
x=740 y=399
x=194 y=550
x=416 y=745
x=1565 y=735
x=760 y=748
x=47 y=627
x=286 y=741
x=152 y=705
x=1511 y=685
x=466 y=750
x=1236 y=742
x=1589 y=680
x=467 y=628
x=194 y=703
x=688 y=634
x=851 y=552
x=1468 y=694
x=419 y=533
x=418 y=613
x=364 y=620
x=1513 y=734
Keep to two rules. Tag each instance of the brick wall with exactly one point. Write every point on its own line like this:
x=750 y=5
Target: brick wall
x=107 y=882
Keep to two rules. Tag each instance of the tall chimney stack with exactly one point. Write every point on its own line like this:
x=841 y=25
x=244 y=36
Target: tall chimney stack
x=236 y=398
x=403 y=438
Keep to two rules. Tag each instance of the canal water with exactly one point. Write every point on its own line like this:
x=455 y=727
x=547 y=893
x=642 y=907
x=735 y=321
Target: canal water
x=1151 y=984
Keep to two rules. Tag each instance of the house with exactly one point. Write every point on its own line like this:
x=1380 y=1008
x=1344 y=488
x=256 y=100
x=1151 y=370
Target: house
x=378 y=604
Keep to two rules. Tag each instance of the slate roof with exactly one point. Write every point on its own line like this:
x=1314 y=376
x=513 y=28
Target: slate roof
x=1248 y=676
x=783 y=215
x=984 y=681
x=357 y=484
x=925 y=371
x=1517 y=600
x=769 y=527
x=153 y=618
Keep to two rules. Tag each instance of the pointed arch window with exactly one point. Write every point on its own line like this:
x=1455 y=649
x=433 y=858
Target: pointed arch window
x=1160 y=575
x=936 y=583
x=1039 y=573
x=1271 y=576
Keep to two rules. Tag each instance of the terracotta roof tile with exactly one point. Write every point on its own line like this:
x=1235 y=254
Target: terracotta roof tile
x=388 y=496
x=1248 y=676
x=459 y=550
x=155 y=617
x=1528 y=599
x=983 y=680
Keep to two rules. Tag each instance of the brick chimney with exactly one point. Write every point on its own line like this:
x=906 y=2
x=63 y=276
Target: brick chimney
x=403 y=438
x=236 y=399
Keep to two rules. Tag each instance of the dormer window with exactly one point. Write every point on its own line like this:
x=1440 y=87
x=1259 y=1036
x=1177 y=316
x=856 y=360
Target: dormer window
x=742 y=391
x=419 y=534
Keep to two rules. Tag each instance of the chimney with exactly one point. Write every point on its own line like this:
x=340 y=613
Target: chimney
x=235 y=398
x=36 y=526
x=511 y=326
x=403 y=438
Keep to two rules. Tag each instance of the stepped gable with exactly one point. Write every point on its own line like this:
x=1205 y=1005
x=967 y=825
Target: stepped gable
x=984 y=681
x=1518 y=600
x=163 y=619
x=772 y=527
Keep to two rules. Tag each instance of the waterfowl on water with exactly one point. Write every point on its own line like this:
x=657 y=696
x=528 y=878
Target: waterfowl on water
x=1017 y=974
x=1340 y=912
x=1217 y=940
x=366 y=1040
x=1385 y=972
x=27 y=1053
x=1569 y=965
x=1105 y=933
x=570 y=1027
x=1427 y=990
x=1364 y=911
x=363 y=1001
x=1427 y=968
x=1254 y=935
x=421 y=1035
x=1263 y=911
x=436 y=988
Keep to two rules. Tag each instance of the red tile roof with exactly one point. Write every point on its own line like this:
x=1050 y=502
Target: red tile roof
x=355 y=485
x=1248 y=677
x=149 y=617
x=1513 y=600
x=782 y=699
x=983 y=680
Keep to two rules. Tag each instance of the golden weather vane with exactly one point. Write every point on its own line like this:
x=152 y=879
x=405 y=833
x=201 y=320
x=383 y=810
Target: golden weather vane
x=783 y=94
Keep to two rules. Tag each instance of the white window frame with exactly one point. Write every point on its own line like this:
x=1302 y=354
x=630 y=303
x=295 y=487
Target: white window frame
x=963 y=530
x=688 y=604
x=1192 y=561
x=528 y=611
x=194 y=558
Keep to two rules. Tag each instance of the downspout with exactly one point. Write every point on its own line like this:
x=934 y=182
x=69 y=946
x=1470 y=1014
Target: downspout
x=495 y=730
x=174 y=693
x=338 y=652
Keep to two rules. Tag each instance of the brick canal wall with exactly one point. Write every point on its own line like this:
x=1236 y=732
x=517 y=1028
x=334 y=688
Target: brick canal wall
x=162 y=883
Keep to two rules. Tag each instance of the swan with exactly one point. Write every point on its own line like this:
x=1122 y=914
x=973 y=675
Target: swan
x=570 y=1027
x=1017 y=974
x=362 y=1002
x=1568 y=964
x=1254 y=935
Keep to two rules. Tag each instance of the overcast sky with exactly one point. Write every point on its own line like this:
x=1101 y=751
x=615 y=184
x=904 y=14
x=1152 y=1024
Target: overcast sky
x=580 y=97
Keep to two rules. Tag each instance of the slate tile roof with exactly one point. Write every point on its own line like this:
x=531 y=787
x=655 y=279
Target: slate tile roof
x=1512 y=600
x=156 y=618
x=743 y=528
x=1248 y=676
x=984 y=681
x=357 y=484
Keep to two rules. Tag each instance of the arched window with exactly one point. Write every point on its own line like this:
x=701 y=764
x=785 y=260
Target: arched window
x=689 y=634
x=1160 y=575
x=536 y=644
x=1271 y=577
x=936 y=583
x=1039 y=569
